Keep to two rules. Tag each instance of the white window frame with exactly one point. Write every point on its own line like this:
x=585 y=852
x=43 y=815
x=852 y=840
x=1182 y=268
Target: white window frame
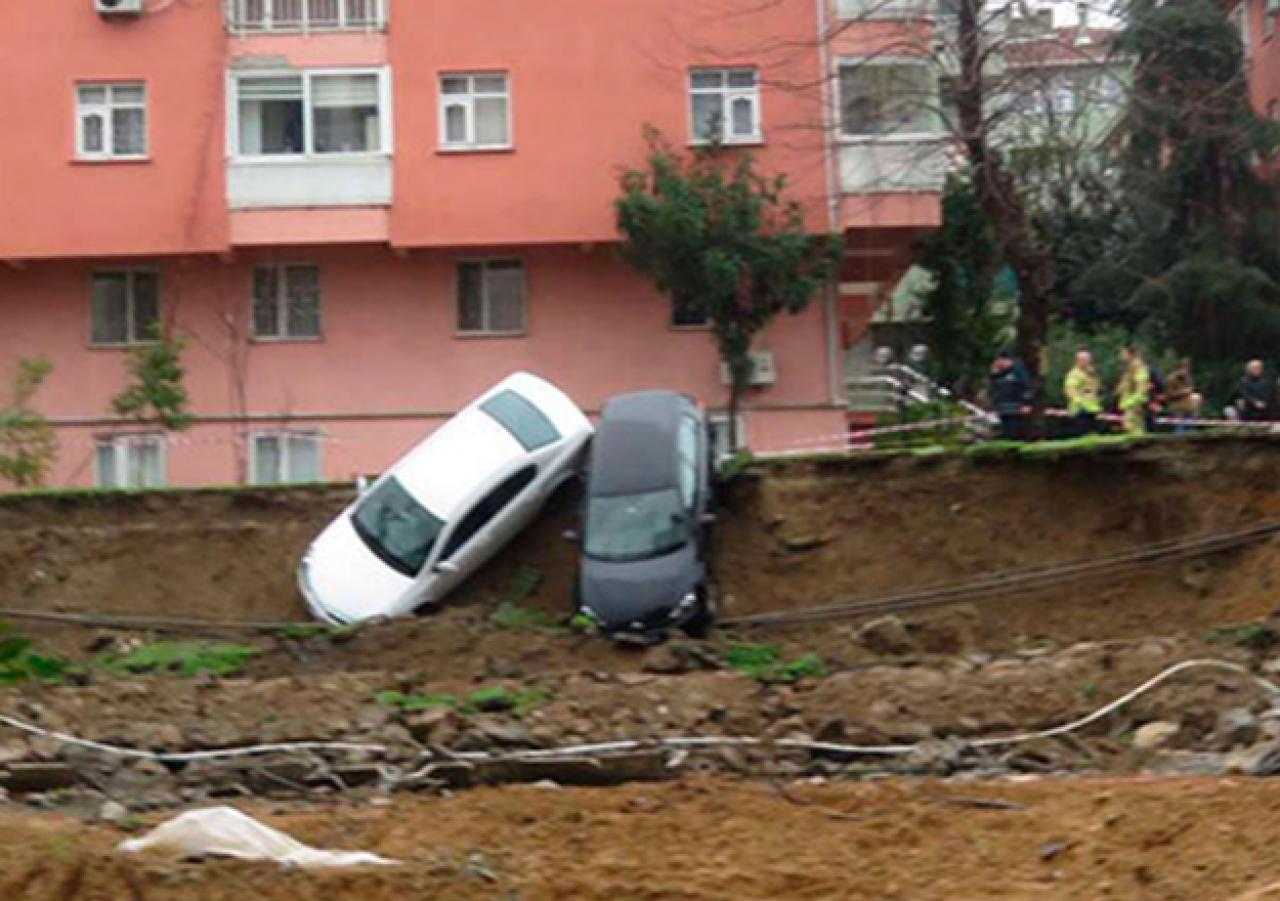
x=236 y=19
x=730 y=95
x=133 y=339
x=485 y=332
x=718 y=422
x=122 y=445
x=103 y=110
x=286 y=465
x=904 y=137
x=282 y=304
x=386 y=133
x=468 y=102
x=1269 y=10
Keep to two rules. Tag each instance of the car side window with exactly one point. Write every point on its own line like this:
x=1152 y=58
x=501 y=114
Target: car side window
x=687 y=454
x=487 y=508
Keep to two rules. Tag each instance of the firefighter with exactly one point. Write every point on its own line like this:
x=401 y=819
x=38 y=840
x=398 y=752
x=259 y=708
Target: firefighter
x=1134 y=391
x=1081 y=388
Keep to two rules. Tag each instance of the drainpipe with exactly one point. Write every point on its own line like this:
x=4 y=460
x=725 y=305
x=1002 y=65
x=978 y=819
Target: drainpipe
x=835 y=365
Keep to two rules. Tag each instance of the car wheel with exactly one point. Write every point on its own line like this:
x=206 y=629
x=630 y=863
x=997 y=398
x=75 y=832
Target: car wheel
x=700 y=623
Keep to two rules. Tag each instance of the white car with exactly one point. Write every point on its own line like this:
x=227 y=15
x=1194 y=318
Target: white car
x=447 y=506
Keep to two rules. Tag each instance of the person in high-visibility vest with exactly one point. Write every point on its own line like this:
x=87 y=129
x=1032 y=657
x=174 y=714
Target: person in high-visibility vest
x=1081 y=388
x=1134 y=391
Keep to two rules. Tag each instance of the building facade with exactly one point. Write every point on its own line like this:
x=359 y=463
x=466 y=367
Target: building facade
x=359 y=214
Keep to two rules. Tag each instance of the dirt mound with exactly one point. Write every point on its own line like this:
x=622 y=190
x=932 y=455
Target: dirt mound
x=706 y=839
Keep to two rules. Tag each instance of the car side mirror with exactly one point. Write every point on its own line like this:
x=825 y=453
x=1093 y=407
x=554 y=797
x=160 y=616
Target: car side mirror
x=573 y=536
x=447 y=567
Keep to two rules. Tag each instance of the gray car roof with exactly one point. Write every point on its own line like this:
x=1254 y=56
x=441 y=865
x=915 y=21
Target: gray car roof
x=634 y=449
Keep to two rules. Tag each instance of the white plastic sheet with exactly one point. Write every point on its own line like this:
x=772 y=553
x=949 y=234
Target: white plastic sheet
x=226 y=832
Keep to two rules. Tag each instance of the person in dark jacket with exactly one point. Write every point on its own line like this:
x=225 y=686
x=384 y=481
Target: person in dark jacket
x=1255 y=393
x=1010 y=388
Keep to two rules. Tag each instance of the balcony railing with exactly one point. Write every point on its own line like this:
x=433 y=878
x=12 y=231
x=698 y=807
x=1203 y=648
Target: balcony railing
x=894 y=163
x=876 y=10
x=256 y=16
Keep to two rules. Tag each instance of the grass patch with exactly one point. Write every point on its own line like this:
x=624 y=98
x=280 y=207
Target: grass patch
x=409 y=703
x=1251 y=636
x=308 y=631
x=19 y=663
x=764 y=662
x=510 y=616
x=492 y=699
x=186 y=658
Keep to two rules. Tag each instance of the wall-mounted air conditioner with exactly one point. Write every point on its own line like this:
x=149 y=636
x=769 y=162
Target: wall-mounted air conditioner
x=118 y=7
x=764 y=369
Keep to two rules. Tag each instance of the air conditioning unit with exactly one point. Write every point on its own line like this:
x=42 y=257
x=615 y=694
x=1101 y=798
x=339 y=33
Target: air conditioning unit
x=119 y=7
x=764 y=370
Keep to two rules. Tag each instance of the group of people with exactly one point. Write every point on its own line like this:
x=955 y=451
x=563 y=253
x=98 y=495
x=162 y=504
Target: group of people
x=1141 y=394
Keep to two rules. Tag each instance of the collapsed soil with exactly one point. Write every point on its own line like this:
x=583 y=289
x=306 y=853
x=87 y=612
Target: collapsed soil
x=703 y=839
x=791 y=535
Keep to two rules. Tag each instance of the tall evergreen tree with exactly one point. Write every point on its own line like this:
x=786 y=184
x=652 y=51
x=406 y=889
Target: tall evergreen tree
x=1200 y=270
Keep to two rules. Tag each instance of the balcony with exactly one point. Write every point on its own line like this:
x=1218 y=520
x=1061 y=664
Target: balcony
x=885 y=10
x=304 y=16
x=892 y=164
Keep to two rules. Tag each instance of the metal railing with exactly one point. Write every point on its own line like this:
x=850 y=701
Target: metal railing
x=256 y=16
x=888 y=388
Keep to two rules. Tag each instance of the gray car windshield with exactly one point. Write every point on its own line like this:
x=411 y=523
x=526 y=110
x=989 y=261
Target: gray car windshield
x=635 y=526
x=398 y=529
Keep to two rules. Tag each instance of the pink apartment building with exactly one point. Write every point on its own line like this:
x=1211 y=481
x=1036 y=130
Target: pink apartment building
x=361 y=213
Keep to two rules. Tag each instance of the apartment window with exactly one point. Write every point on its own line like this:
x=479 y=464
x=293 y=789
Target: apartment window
x=884 y=98
x=280 y=458
x=319 y=113
x=111 y=121
x=724 y=105
x=129 y=461
x=124 y=307
x=286 y=302
x=475 y=112
x=1272 y=110
x=686 y=315
x=306 y=15
x=491 y=297
x=1269 y=12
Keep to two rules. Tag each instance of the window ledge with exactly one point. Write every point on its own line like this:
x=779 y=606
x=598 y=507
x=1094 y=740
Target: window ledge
x=256 y=339
x=305 y=159
x=904 y=138
x=742 y=142
x=488 y=336
x=123 y=345
x=690 y=328
x=110 y=160
x=496 y=148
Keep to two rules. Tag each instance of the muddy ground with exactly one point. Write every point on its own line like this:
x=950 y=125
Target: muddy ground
x=704 y=839
x=495 y=672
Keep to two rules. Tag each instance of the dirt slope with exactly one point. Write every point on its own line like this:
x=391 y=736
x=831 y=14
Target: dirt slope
x=795 y=535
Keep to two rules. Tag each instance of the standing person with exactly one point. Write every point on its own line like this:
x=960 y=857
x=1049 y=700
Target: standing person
x=1255 y=393
x=1010 y=387
x=1180 y=397
x=1133 y=394
x=1081 y=388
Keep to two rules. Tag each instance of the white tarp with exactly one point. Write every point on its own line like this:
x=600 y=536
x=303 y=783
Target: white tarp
x=226 y=832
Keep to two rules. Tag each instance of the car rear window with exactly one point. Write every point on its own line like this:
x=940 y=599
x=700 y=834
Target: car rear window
x=527 y=424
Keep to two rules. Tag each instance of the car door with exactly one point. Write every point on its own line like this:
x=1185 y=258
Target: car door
x=484 y=528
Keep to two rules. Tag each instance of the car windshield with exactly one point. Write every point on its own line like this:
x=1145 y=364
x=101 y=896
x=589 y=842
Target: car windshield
x=396 y=527
x=635 y=526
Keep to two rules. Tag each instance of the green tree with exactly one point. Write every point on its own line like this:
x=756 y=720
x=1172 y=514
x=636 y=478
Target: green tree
x=1199 y=269
x=27 y=443
x=962 y=324
x=156 y=392
x=721 y=240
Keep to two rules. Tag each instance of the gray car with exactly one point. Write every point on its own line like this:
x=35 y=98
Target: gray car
x=648 y=512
